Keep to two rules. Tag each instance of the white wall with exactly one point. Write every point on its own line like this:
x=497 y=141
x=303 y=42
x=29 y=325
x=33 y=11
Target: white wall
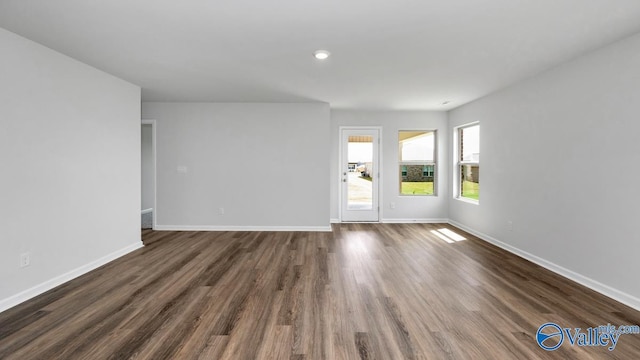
x=408 y=208
x=70 y=155
x=266 y=164
x=560 y=160
x=147 y=167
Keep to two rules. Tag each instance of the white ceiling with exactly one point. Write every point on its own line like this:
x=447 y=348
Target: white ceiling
x=386 y=54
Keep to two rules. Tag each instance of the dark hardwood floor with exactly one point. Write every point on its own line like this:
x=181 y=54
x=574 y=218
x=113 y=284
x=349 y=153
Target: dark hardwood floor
x=363 y=291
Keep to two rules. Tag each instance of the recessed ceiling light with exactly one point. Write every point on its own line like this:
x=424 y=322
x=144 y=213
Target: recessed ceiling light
x=445 y=102
x=321 y=54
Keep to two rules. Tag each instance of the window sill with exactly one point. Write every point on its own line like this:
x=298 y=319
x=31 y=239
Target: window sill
x=418 y=195
x=469 y=201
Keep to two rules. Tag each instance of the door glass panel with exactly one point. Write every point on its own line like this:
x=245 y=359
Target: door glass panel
x=360 y=173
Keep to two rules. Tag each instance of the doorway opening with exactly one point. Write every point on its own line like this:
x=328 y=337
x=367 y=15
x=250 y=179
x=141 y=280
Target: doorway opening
x=148 y=174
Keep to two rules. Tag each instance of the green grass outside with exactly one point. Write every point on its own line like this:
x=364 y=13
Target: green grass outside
x=416 y=188
x=470 y=190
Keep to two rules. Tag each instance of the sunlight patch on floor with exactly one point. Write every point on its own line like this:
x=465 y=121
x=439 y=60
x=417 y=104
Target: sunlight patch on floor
x=448 y=236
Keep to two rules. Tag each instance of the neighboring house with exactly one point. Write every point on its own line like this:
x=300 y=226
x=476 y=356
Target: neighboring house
x=472 y=175
x=417 y=173
x=365 y=169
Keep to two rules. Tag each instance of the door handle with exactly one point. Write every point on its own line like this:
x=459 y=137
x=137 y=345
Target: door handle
x=344 y=180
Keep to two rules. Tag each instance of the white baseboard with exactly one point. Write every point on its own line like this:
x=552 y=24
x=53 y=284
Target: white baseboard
x=146 y=211
x=594 y=285
x=334 y=221
x=241 y=228
x=61 y=279
x=414 y=221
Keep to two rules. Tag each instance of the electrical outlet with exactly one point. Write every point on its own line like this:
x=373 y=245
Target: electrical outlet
x=221 y=211
x=510 y=225
x=25 y=259
x=392 y=205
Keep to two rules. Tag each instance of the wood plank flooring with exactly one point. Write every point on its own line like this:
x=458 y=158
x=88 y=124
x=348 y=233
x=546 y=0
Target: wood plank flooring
x=362 y=291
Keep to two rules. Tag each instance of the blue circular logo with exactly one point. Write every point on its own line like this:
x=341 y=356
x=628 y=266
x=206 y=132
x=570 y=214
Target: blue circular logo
x=549 y=336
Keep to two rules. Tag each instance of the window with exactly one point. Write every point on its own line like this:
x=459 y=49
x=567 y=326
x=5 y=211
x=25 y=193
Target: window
x=468 y=162
x=417 y=163
x=427 y=171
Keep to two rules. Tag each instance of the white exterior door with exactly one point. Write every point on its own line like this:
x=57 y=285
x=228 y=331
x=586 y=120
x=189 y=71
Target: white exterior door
x=359 y=174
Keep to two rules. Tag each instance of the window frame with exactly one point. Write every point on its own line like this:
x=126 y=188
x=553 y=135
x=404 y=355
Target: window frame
x=433 y=163
x=459 y=163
